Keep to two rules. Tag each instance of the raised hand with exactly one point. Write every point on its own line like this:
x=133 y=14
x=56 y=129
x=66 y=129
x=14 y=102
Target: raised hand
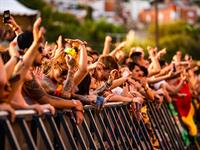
x=59 y=41
x=38 y=73
x=38 y=32
x=108 y=38
x=15 y=27
x=76 y=42
x=71 y=62
x=161 y=53
x=121 y=45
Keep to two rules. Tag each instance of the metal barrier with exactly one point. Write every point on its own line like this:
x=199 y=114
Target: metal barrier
x=113 y=128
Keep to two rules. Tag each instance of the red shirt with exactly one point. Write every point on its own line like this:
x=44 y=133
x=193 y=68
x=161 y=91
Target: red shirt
x=183 y=103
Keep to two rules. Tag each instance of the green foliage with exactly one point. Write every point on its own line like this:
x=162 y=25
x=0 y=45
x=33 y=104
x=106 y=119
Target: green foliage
x=173 y=36
x=95 y=31
x=181 y=42
x=178 y=27
x=178 y=36
x=67 y=25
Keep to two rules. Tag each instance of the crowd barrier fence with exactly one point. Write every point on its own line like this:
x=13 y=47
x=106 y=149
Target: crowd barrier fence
x=115 y=127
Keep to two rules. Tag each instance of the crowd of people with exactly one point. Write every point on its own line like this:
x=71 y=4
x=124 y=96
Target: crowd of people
x=69 y=74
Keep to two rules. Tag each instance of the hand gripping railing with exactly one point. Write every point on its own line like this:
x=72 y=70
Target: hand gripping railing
x=115 y=127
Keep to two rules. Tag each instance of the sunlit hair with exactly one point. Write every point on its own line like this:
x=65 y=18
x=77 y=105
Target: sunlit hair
x=57 y=62
x=109 y=62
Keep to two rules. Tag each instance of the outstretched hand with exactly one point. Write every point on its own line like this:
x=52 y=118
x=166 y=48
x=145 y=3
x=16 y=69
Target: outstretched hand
x=37 y=31
x=71 y=62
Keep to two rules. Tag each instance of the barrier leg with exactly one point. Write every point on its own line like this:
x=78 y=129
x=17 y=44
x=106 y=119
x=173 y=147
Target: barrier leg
x=10 y=134
x=28 y=137
x=157 y=127
x=105 y=131
x=94 y=125
x=43 y=132
x=109 y=125
x=58 y=139
x=118 y=118
x=67 y=130
x=118 y=131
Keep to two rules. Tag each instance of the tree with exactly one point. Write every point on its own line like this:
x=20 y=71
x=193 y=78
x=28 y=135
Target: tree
x=178 y=36
x=57 y=23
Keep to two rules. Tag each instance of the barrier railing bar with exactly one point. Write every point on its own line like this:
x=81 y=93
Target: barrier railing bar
x=161 y=136
x=119 y=133
x=94 y=125
x=175 y=129
x=27 y=134
x=105 y=131
x=137 y=125
x=128 y=129
x=155 y=129
x=133 y=127
x=122 y=127
x=171 y=127
x=173 y=138
x=114 y=138
x=43 y=132
x=77 y=132
x=67 y=130
x=165 y=134
x=59 y=142
x=3 y=113
x=10 y=134
x=114 y=117
x=168 y=131
x=146 y=133
x=89 y=135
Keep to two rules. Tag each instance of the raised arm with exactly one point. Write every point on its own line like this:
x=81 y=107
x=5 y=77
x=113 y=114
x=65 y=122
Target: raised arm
x=118 y=48
x=14 y=26
x=154 y=67
x=10 y=65
x=69 y=82
x=106 y=49
x=174 y=89
x=82 y=70
x=28 y=58
x=160 y=78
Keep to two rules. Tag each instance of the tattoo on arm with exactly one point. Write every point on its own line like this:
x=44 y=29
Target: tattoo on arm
x=68 y=84
x=48 y=85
